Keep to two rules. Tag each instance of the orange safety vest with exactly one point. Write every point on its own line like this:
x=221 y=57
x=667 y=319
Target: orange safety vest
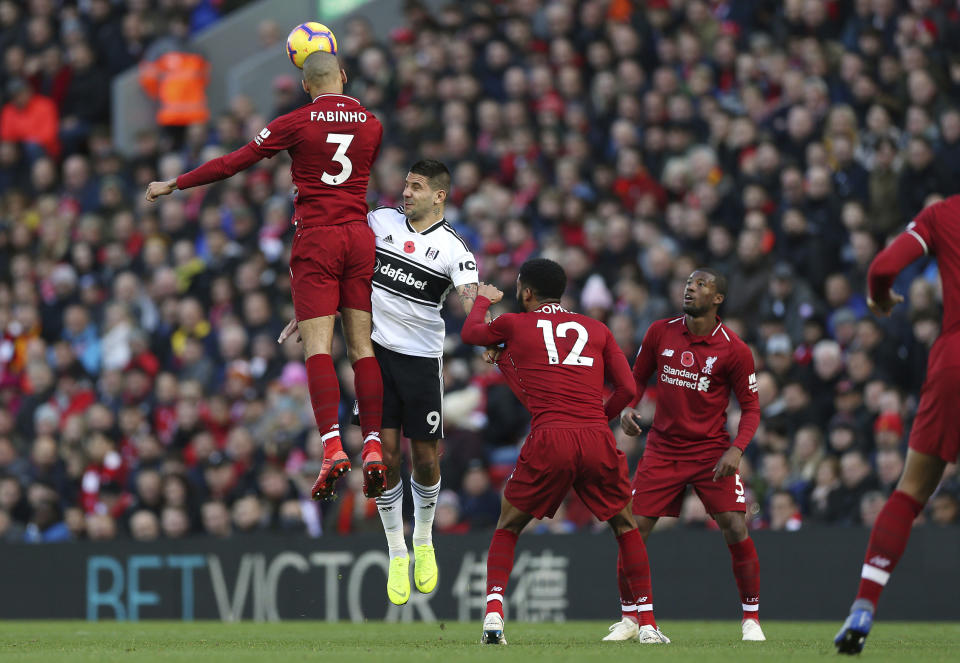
x=178 y=80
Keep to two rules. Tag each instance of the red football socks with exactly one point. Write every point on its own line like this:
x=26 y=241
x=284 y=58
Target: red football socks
x=628 y=607
x=368 y=385
x=888 y=540
x=325 y=399
x=633 y=576
x=499 y=566
x=746 y=569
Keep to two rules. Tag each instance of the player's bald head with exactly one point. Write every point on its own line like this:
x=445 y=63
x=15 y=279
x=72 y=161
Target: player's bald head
x=321 y=69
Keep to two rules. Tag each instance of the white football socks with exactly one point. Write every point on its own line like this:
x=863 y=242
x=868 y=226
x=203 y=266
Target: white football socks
x=390 y=506
x=424 y=506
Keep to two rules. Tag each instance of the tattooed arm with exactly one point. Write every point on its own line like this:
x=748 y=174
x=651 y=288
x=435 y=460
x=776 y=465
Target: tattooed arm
x=468 y=295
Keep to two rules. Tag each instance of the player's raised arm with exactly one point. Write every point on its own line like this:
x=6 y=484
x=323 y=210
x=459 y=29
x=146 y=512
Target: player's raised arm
x=617 y=371
x=463 y=273
x=478 y=332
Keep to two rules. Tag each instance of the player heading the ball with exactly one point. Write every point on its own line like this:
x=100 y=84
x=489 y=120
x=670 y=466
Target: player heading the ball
x=332 y=141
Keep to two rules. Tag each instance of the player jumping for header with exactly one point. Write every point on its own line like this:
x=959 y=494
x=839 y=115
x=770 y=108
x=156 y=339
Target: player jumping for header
x=333 y=142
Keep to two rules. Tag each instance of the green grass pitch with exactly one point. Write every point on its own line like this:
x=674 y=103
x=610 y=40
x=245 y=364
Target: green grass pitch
x=211 y=642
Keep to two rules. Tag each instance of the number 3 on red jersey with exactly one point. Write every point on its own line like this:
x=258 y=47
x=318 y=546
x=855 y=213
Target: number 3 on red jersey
x=342 y=141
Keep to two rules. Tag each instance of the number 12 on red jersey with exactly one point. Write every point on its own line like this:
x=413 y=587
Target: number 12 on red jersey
x=572 y=359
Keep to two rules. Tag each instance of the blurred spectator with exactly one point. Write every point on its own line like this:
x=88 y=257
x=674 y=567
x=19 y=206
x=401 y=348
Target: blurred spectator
x=784 y=512
x=247 y=515
x=944 y=508
x=46 y=522
x=856 y=480
x=889 y=464
x=216 y=519
x=144 y=526
x=174 y=522
x=29 y=119
x=176 y=75
x=480 y=503
x=447 y=519
x=870 y=504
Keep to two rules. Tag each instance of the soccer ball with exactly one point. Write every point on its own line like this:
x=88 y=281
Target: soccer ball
x=308 y=38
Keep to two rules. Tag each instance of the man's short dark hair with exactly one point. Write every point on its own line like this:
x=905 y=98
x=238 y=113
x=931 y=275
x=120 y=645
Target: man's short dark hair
x=545 y=277
x=718 y=279
x=436 y=172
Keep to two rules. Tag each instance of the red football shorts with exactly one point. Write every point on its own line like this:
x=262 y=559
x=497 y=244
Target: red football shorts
x=554 y=460
x=659 y=486
x=331 y=267
x=935 y=429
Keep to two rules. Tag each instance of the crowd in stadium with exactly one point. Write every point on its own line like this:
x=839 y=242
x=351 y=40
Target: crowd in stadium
x=142 y=390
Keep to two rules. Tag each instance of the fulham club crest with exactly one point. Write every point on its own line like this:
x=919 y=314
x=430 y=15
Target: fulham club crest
x=432 y=253
x=686 y=359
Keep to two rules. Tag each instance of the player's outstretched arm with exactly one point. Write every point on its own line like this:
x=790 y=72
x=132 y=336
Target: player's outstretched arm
x=157 y=189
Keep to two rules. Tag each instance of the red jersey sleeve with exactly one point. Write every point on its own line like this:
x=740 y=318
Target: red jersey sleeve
x=477 y=332
x=743 y=379
x=646 y=361
x=274 y=137
x=915 y=241
x=617 y=371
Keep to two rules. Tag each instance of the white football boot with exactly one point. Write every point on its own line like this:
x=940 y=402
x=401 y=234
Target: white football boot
x=752 y=631
x=493 y=630
x=651 y=635
x=627 y=629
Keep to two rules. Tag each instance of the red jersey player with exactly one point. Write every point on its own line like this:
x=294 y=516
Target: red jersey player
x=698 y=362
x=556 y=362
x=935 y=436
x=333 y=142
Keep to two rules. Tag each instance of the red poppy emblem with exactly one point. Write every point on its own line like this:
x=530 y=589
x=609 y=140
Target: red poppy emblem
x=686 y=359
x=409 y=247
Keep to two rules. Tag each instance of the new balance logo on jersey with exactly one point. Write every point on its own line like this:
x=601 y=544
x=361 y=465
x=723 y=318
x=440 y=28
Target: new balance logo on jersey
x=496 y=589
x=668 y=353
x=262 y=136
x=398 y=275
x=879 y=562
